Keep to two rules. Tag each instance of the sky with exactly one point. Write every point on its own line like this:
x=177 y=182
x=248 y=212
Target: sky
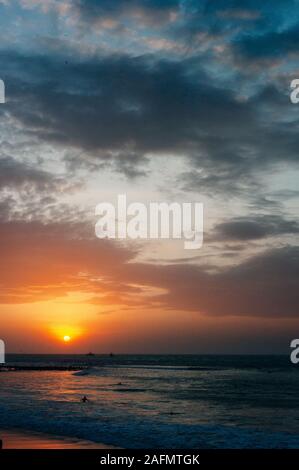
x=162 y=101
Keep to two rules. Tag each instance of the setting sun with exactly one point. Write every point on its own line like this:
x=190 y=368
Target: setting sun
x=66 y=333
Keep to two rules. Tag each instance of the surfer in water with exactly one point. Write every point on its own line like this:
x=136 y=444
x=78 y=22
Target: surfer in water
x=84 y=399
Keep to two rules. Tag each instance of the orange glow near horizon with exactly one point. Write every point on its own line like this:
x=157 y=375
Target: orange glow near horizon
x=66 y=333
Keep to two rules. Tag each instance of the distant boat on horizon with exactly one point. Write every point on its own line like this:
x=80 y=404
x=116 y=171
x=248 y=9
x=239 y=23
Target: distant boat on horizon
x=90 y=354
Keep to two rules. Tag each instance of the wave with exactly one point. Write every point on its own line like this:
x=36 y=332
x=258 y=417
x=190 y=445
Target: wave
x=130 y=431
x=82 y=372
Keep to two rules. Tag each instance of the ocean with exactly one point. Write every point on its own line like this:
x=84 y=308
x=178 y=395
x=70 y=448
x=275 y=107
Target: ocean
x=155 y=401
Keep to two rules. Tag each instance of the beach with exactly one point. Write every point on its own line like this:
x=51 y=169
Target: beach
x=19 y=439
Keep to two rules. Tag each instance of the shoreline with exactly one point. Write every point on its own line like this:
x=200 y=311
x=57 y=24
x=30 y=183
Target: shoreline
x=23 y=439
x=16 y=368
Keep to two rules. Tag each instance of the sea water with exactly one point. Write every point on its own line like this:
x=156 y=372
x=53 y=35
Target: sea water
x=157 y=401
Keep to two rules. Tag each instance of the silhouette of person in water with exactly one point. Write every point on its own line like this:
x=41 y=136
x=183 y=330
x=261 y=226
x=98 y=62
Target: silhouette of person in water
x=84 y=399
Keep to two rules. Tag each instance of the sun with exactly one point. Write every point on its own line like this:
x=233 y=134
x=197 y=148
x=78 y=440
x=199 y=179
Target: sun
x=66 y=333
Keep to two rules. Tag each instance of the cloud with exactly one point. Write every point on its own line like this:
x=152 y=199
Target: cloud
x=148 y=10
x=109 y=14
x=17 y=174
x=264 y=286
x=254 y=228
x=239 y=14
x=271 y=45
x=104 y=105
x=44 y=261
x=118 y=109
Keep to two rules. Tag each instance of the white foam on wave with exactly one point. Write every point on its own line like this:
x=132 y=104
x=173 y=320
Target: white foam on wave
x=131 y=431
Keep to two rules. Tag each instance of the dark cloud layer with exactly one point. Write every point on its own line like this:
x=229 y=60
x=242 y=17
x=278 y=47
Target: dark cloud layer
x=265 y=285
x=19 y=175
x=120 y=106
x=93 y=10
x=271 y=45
x=255 y=228
x=108 y=103
x=133 y=106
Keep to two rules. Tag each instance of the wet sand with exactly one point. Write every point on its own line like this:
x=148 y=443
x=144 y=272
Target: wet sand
x=16 y=439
